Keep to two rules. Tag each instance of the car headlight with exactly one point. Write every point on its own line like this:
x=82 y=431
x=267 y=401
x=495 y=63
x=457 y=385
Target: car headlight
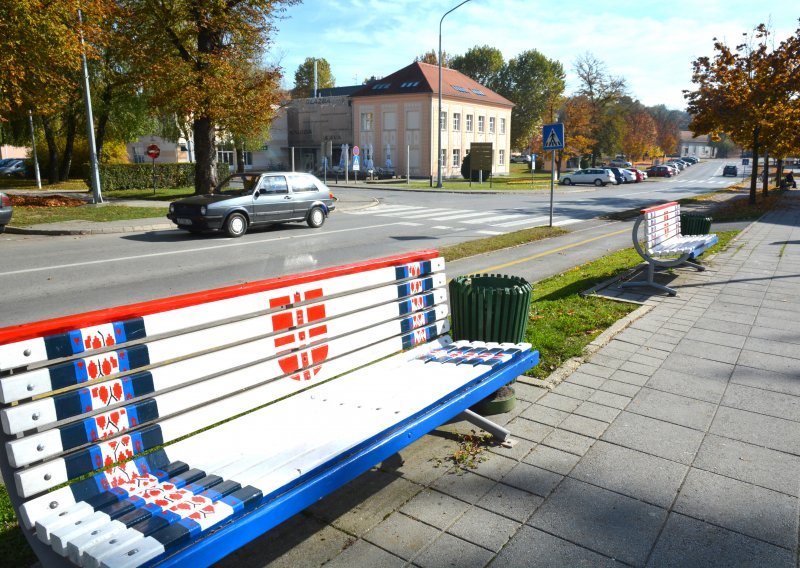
x=172 y=208
x=203 y=210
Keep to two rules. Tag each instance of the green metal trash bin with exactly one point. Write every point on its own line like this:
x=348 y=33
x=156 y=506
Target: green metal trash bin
x=490 y=307
x=695 y=224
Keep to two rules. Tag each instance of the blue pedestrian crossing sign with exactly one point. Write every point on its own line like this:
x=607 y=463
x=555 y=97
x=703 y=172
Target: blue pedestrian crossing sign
x=553 y=136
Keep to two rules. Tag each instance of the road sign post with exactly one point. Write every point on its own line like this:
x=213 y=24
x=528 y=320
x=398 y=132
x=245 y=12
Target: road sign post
x=154 y=152
x=553 y=139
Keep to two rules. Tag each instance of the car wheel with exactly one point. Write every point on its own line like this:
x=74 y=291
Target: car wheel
x=236 y=225
x=567 y=181
x=2 y=228
x=316 y=218
x=598 y=182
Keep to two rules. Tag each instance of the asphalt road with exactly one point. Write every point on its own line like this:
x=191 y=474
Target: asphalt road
x=45 y=277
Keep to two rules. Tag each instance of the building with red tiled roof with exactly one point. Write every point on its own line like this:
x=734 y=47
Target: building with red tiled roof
x=397 y=117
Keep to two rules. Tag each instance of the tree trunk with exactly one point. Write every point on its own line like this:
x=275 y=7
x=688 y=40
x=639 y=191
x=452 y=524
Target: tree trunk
x=66 y=160
x=205 y=147
x=238 y=150
x=779 y=175
x=754 y=171
x=765 y=181
x=52 y=150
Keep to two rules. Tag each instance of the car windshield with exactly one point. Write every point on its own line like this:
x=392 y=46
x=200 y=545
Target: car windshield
x=237 y=184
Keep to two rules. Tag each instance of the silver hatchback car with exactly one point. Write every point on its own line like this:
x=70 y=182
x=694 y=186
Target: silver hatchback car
x=253 y=199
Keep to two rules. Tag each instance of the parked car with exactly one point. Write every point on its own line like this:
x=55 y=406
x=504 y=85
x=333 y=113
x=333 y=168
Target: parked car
x=623 y=175
x=640 y=174
x=6 y=211
x=680 y=166
x=14 y=167
x=730 y=170
x=597 y=176
x=521 y=159
x=692 y=159
x=660 y=171
x=620 y=164
x=253 y=199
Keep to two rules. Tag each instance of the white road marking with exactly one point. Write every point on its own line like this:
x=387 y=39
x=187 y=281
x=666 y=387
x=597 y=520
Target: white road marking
x=489 y=220
x=493 y=233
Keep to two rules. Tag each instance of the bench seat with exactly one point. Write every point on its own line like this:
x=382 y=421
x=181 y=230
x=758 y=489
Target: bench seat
x=173 y=433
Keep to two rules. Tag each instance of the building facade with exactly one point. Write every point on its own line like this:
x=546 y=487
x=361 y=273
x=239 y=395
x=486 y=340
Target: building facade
x=396 y=121
x=698 y=146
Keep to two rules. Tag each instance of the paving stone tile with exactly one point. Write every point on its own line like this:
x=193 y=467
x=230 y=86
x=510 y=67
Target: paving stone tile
x=597 y=411
x=610 y=399
x=630 y=378
x=519 y=450
x=434 y=508
x=700 y=387
x=656 y=437
x=559 y=402
x=510 y=502
x=773 y=347
x=740 y=507
x=402 y=535
x=668 y=337
x=769 y=362
x=528 y=393
x=596 y=370
x=601 y=520
x=646 y=360
x=618 y=345
x=584 y=426
x=774 y=334
x=467 y=486
x=766 y=402
x=545 y=415
x=638 y=368
x=630 y=472
x=495 y=466
x=449 y=551
x=363 y=553
x=618 y=387
x=697 y=366
x=607 y=360
x=552 y=459
x=573 y=391
x=619 y=354
x=710 y=351
x=757 y=378
x=569 y=442
x=484 y=528
x=418 y=461
x=782 y=305
x=634 y=336
x=589 y=381
x=688 y=412
x=528 y=429
x=728 y=339
x=655 y=353
x=689 y=542
x=752 y=464
x=532 y=479
x=767 y=431
x=533 y=548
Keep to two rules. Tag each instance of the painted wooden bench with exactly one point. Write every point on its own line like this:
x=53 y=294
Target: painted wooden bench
x=174 y=431
x=661 y=244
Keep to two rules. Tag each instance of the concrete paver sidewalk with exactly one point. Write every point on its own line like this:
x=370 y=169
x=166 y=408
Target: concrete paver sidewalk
x=676 y=444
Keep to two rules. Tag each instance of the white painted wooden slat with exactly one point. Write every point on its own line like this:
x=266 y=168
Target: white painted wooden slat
x=38 y=508
x=22 y=417
x=34 y=448
x=128 y=557
x=77 y=547
x=22 y=353
x=62 y=536
x=34 y=480
x=61 y=519
x=24 y=385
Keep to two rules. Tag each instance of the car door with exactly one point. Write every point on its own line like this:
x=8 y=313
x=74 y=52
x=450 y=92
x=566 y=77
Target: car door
x=304 y=192
x=272 y=202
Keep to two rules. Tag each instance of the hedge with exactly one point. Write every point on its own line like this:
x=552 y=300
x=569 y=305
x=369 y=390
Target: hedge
x=140 y=176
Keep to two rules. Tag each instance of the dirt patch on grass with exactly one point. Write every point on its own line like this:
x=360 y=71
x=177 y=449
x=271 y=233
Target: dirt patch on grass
x=45 y=201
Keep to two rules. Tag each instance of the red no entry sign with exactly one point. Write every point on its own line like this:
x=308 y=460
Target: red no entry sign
x=153 y=151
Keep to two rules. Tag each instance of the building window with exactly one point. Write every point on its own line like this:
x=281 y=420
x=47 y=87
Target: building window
x=481 y=121
x=491 y=125
x=443 y=120
x=443 y=158
x=225 y=156
x=469 y=123
x=502 y=126
x=456 y=158
x=456 y=121
x=366 y=122
x=501 y=157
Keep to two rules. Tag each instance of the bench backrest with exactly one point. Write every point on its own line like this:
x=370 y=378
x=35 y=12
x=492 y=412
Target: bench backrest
x=661 y=223
x=106 y=389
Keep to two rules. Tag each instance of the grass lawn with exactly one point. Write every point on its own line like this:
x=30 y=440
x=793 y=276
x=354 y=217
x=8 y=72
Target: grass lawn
x=24 y=216
x=480 y=246
x=16 y=183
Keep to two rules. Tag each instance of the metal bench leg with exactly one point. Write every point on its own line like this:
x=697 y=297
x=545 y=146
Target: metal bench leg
x=485 y=424
x=650 y=282
x=699 y=267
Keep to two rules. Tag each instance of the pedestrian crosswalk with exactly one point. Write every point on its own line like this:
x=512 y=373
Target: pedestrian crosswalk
x=710 y=181
x=496 y=222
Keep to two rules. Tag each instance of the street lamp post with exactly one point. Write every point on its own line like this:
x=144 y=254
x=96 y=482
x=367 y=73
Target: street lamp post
x=439 y=151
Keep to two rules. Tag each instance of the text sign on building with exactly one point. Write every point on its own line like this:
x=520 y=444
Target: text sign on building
x=480 y=156
x=553 y=136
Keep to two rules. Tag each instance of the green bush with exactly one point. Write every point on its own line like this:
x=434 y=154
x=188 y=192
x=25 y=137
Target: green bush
x=465 y=170
x=140 y=176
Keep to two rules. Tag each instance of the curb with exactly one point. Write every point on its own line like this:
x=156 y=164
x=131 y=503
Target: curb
x=88 y=231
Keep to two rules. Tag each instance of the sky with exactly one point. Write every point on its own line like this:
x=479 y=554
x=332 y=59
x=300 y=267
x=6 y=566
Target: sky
x=650 y=44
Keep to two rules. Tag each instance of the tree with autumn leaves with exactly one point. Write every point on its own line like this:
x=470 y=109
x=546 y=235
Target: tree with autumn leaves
x=752 y=93
x=201 y=60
